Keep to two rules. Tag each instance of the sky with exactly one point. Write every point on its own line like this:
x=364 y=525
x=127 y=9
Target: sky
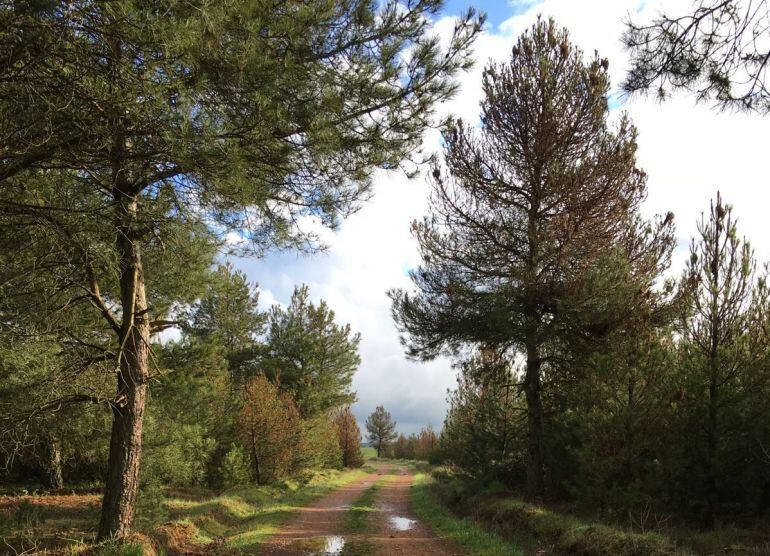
x=689 y=151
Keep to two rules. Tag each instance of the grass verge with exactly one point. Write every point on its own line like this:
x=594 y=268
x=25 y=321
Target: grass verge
x=357 y=516
x=243 y=518
x=538 y=528
x=369 y=452
x=464 y=532
x=237 y=520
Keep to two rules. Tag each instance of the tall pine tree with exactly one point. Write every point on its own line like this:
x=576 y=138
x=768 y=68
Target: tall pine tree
x=310 y=355
x=720 y=327
x=533 y=242
x=124 y=122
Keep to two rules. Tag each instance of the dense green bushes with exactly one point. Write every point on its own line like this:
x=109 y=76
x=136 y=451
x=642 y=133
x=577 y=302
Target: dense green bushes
x=536 y=528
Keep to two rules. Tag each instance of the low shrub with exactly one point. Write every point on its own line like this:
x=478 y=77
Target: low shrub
x=566 y=534
x=236 y=468
x=26 y=516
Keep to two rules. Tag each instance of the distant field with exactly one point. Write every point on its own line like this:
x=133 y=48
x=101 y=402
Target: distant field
x=369 y=452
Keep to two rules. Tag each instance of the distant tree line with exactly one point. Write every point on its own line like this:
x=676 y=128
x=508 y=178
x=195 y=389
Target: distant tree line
x=421 y=446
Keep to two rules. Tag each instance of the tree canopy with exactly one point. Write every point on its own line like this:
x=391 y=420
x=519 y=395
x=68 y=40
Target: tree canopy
x=135 y=132
x=533 y=242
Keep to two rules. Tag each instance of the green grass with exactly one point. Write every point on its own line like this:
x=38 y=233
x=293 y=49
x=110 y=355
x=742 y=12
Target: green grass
x=357 y=516
x=536 y=527
x=236 y=520
x=245 y=517
x=463 y=532
x=369 y=452
x=539 y=529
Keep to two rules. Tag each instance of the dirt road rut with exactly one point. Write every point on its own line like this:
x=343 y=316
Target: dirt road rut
x=319 y=529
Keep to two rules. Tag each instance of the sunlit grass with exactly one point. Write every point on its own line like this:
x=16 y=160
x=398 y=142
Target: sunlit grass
x=462 y=532
x=244 y=517
x=357 y=516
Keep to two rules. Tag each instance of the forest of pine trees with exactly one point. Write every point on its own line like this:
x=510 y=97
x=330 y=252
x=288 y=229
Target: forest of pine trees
x=588 y=371
x=148 y=148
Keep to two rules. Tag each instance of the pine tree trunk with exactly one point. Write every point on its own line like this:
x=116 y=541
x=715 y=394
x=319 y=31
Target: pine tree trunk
x=713 y=362
x=709 y=518
x=255 y=456
x=131 y=396
x=532 y=386
x=54 y=473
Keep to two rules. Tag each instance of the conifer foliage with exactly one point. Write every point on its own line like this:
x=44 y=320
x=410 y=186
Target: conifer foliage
x=533 y=242
x=717 y=49
x=380 y=429
x=269 y=427
x=349 y=438
x=132 y=132
x=723 y=332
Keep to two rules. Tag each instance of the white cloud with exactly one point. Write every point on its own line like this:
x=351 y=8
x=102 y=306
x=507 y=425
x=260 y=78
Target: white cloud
x=688 y=152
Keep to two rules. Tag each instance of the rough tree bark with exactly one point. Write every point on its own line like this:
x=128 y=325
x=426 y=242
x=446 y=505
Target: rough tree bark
x=532 y=387
x=54 y=476
x=133 y=355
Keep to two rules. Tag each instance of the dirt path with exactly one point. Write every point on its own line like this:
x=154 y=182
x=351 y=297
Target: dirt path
x=397 y=531
x=393 y=530
x=318 y=528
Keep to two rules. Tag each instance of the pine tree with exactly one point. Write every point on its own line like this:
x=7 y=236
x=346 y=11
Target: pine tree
x=380 y=429
x=718 y=50
x=132 y=131
x=310 y=355
x=349 y=437
x=720 y=352
x=483 y=434
x=533 y=242
x=228 y=315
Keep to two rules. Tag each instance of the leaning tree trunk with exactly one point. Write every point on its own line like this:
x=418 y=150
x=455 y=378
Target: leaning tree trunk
x=532 y=387
x=129 y=404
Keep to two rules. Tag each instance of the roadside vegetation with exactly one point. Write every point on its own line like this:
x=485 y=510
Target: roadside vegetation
x=141 y=144
x=464 y=532
x=606 y=402
x=504 y=517
x=179 y=521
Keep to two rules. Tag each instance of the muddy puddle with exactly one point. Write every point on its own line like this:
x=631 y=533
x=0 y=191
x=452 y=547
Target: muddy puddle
x=320 y=546
x=402 y=523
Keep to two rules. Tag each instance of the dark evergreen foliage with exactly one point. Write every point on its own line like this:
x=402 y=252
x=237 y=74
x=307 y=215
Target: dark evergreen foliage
x=720 y=51
x=534 y=243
